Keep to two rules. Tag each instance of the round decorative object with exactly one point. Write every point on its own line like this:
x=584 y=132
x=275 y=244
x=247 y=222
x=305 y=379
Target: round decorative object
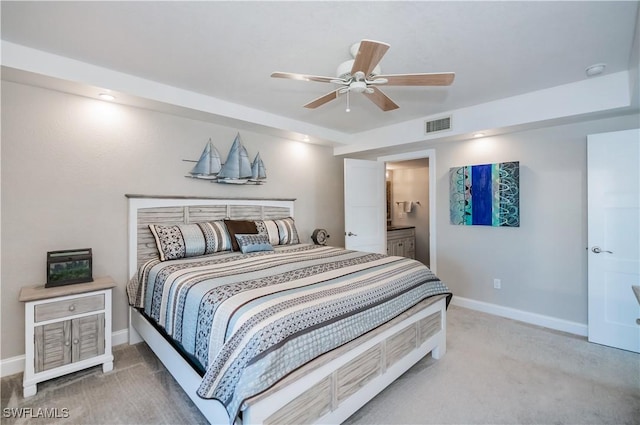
x=320 y=236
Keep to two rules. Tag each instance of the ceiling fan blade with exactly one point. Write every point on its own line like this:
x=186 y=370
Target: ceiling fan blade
x=436 y=79
x=382 y=100
x=305 y=77
x=368 y=56
x=322 y=99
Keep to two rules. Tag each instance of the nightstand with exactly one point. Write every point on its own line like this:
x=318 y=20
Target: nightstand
x=67 y=328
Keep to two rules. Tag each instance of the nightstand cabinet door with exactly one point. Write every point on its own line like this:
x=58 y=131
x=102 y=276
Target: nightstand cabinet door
x=61 y=343
x=52 y=345
x=87 y=337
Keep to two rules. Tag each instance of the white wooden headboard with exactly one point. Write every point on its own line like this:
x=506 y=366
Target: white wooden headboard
x=170 y=210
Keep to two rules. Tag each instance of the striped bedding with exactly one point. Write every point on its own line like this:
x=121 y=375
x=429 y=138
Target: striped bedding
x=251 y=319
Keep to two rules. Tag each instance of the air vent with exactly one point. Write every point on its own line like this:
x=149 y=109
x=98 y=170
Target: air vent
x=441 y=124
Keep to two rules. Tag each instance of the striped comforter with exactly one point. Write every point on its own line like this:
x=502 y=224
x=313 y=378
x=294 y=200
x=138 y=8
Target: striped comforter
x=251 y=319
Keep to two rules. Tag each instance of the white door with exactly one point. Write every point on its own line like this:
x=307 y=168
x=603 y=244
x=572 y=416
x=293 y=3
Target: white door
x=614 y=240
x=364 y=206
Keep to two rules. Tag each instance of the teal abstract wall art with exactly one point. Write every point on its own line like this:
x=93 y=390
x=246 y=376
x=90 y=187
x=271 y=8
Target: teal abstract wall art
x=486 y=195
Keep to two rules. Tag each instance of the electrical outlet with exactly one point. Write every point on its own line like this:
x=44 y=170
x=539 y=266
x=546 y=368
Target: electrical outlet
x=497 y=284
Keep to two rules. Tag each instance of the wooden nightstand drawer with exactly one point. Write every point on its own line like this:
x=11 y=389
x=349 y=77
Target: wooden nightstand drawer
x=65 y=308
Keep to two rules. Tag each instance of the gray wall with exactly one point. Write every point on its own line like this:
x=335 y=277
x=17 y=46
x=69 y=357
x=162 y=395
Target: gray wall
x=68 y=161
x=543 y=263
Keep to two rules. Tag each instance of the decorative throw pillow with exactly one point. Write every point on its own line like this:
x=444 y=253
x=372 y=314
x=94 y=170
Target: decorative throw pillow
x=270 y=229
x=253 y=243
x=287 y=231
x=190 y=240
x=280 y=232
x=242 y=227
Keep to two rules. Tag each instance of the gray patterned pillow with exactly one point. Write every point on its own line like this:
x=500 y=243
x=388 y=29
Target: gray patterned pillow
x=280 y=232
x=253 y=243
x=190 y=240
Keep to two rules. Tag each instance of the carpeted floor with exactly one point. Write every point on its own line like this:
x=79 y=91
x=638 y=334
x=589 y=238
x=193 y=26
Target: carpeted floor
x=496 y=371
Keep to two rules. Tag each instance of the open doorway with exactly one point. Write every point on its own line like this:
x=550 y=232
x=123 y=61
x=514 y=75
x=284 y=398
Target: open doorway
x=413 y=176
x=408 y=208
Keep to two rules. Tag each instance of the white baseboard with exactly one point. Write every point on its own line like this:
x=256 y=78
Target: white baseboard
x=120 y=337
x=11 y=366
x=522 y=316
x=14 y=365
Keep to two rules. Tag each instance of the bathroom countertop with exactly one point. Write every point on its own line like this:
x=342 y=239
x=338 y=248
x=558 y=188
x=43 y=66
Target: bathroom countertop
x=400 y=227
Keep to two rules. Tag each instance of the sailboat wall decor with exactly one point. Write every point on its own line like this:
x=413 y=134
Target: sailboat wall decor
x=209 y=165
x=258 y=171
x=236 y=170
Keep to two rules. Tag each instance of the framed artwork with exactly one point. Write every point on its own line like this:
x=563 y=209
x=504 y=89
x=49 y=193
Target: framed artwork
x=485 y=195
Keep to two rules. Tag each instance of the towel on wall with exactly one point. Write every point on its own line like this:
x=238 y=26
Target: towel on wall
x=406 y=206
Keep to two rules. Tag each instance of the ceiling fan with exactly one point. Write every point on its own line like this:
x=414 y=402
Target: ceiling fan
x=362 y=75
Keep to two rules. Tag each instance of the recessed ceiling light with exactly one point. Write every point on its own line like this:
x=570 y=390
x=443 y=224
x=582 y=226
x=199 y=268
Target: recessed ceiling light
x=596 y=69
x=305 y=138
x=106 y=96
x=476 y=135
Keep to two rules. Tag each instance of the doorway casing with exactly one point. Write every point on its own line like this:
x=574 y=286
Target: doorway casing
x=431 y=155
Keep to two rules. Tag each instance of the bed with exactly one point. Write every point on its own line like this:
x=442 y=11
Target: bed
x=273 y=330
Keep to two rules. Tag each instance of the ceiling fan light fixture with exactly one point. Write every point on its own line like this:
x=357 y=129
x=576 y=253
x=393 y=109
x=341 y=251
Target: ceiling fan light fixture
x=358 y=86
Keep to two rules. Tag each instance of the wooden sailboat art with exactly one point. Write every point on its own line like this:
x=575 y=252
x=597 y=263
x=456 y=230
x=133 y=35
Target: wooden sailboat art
x=237 y=168
x=209 y=165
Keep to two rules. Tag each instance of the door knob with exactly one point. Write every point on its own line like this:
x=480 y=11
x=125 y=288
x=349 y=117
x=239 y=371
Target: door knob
x=597 y=250
x=351 y=234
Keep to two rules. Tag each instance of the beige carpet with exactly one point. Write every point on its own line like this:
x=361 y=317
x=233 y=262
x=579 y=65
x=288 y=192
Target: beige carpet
x=496 y=371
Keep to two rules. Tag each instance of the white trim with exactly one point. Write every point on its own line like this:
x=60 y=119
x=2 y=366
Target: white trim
x=11 y=366
x=431 y=155
x=522 y=316
x=120 y=337
x=14 y=365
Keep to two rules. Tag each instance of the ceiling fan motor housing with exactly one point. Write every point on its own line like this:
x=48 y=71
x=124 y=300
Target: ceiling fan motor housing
x=344 y=70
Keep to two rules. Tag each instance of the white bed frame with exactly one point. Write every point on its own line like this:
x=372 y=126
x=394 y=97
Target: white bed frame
x=327 y=390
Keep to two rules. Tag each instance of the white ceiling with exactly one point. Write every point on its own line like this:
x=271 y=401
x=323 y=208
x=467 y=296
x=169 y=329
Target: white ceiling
x=227 y=50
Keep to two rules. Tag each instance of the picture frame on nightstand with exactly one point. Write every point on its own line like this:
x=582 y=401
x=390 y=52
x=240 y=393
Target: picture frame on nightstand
x=69 y=266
